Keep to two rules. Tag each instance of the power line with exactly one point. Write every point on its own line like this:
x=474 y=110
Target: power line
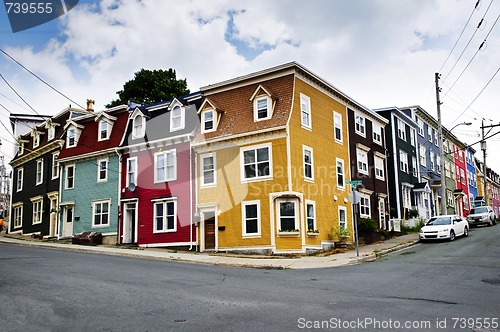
x=18 y=94
x=465 y=48
x=50 y=86
x=461 y=33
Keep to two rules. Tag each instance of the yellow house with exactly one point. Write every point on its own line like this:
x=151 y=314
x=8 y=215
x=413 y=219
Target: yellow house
x=272 y=162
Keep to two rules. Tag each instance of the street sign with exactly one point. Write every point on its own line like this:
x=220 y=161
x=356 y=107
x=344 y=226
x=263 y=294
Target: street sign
x=354 y=183
x=354 y=197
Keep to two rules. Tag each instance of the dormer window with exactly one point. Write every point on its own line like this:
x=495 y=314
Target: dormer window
x=176 y=118
x=262 y=104
x=36 y=140
x=71 y=139
x=51 y=133
x=104 y=130
x=138 y=126
x=207 y=119
x=21 y=148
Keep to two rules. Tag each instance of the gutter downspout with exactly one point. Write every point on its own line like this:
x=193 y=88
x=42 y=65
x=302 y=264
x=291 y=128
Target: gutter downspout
x=119 y=193
x=59 y=215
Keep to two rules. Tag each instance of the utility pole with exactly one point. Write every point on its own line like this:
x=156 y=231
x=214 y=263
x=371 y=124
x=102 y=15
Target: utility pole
x=441 y=151
x=483 y=147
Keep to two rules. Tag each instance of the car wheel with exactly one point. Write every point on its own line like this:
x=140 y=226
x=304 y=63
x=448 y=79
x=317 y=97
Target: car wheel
x=466 y=231
x=452 y=235
x=490 y=223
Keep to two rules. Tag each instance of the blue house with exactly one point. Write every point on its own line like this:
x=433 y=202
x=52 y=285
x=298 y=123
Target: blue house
x=471 y=175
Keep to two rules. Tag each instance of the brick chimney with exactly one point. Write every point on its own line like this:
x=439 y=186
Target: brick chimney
x=90 y=105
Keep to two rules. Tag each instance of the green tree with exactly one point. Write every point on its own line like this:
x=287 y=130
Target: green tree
x=151 y=86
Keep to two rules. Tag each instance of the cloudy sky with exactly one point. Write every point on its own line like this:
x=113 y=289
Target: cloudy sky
x=381 y=53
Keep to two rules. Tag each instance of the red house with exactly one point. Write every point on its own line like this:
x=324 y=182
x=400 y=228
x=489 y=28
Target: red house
x=158 y=182
x=461 y=193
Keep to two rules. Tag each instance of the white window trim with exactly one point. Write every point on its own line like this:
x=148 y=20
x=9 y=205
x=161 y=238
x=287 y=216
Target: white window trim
x=377 y=129
x=39 y=182
x=337 y=160
x=376 y=158
x=242 y=163
x=243 y=220
x=402 y=129
x=363 y=151
x=343 y=208
x=68 y=138
x=20 y=151
x=308 y=149
x=165 y=153
x=134 y=159
x=363 y=119
x=109 y=213
x=315 y=224
x=214 y=121
x=278 y=213
x=34 y=201
x=308 y=100
x=202 y=168
x=20 y=179
x=182 y=117
x=135 y=134
x=99 y=170
x=339 y=125
x=55 y=175
x=36 y=140
x=51 y=133
x=165 y=223
x=17 y=206
x=367 y=197
x=66 y=176
x=108 y=130
x=256 y=110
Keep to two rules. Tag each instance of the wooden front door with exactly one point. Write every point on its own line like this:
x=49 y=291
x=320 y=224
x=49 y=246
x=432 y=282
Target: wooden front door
x=209 y=230
x=129 y=223
x=67 y=221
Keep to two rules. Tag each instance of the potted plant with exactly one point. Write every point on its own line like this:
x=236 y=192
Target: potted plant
x=342 y=235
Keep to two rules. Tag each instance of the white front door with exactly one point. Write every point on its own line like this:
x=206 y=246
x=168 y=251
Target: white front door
x=381 y=213
x=130 y=223
x=67 y=221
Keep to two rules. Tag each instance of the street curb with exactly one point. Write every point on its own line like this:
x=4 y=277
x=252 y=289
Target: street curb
x=396 y=248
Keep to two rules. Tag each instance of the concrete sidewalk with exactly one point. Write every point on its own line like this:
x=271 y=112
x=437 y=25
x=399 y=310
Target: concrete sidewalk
x=366 y=253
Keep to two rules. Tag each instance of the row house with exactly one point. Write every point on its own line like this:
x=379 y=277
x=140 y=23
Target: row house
x=158 y=185
x=406 y=193
x=90 y=173
x=368 y=163
x=428 y=161
x=471 y=175
x=272 y=157
x=494 y=190
x=460 y=193
x=35 y=192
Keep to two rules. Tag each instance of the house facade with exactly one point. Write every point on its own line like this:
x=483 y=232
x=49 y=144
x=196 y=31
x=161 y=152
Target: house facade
x=368 y=163
x=35 y=192
x=471 y=175
x=461 y=191
x=157 y=183
x=272 y=157
x=402 y=164
x=90 y=173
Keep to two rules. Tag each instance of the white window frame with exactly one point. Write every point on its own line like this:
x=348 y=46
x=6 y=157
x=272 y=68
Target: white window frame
x=135 y=126
x=308 y=150
x=363 y=207
x=165 y=154
x=242 y=162
x=362 y=160
x=414 y=166
x=278 y=213
x=244 y=219
x=436 y=141
x=66 y=178
x=438 y=163
x=429 y=133
x=256 y=108
x=107 y=130
x=340 y=162
x=204 y=184
x=423 y=155
x=37 y=212
x=175 y=116
x=94 y=205
x=55 y=166
x=36 y=140
x=71 y=137
x=313 y=217
x=20 y=179
x=51 y=133
x=413 y=140
x=337 y=125
x=431 y=159
x=359 y=124
x=377 y=133
x=305 y=101
x=17 y=215
x=403 y=161
x=99 y=170
x=39 y=172
x=342 y=223
x=420 y=126
x=204 y=121
x=379 y=168
x=20 y=152
x=462 y=176
x=131 y=161
x=402 y=129
x=165 y=216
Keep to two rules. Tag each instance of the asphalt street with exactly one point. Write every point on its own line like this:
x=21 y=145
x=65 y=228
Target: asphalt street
x=430 y=286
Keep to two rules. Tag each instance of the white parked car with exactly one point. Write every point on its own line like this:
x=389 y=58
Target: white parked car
x=444 y=227
x=481 y=215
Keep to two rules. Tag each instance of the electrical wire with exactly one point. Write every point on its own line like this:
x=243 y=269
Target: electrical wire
x=460 y=36
x=10 y=86
x=38 y=77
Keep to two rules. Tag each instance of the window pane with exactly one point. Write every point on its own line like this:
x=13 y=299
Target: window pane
x=263 y=169
x=251 y=226
x=251 y=211
x=287 y=224
x=170 y=222
x=250 y=171
x=249 y=156
x=287 y=209
x=263 y=154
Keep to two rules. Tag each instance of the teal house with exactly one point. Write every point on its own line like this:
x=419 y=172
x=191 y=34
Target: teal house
x=90 y=174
